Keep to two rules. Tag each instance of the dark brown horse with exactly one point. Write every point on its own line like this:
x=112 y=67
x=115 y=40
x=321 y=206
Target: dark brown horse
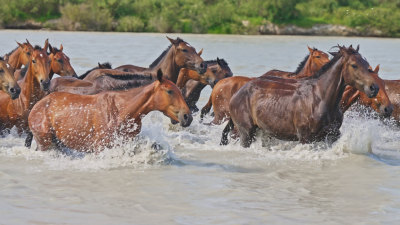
x=392 y=88
x=33 y=86
x=99 y=119
x=224 y=90
x=20 y=55
x=178 y=55
x=7 y=82
x=303 y=109
x=192 y=89
x=380 y=103
x=212 y=75
x=59 y=65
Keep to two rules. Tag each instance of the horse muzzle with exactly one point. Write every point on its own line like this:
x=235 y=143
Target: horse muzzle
x=14 y=92
x=386 y=111
x=45 y=84
x=185 y=119
x=201 y=68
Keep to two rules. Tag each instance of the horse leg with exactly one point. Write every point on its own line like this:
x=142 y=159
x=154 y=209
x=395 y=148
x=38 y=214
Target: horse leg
x=28 y=140
x=246 y=136
x=206 y=109
x=225 y=132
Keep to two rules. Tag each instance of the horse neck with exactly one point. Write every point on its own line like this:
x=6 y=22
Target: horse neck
x=350 y=96
x=31 y=91
x=51 y=74
x=183 y=77
x=307 y=69
x=14 y=59
x=138 y=106
x=331 y=84
x=168 y=65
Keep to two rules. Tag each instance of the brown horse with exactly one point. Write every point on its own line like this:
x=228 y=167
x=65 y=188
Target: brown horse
x=381 y=103
x=192 y=89
x=304 y=109
x=7 y=82
x=210 y=77
x=392 y=88
x=99 y=119
x=59 y=65
x=310 y=65
x=33 y=86
x=178 y=55
x=20 y=55
x=224 y=90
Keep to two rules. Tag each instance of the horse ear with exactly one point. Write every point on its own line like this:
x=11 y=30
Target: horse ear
x=358 y=48
x=200 y=52
x=309 y=49
x=46 y=44
x=376 y=70
x=174 y=42
x=159 y=75
x=61 y=48
x=219 y=62
x=20 y=45
x=51 y=49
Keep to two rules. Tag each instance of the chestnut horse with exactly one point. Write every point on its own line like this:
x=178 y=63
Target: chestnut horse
x=178 y=55
x=59 y=65
x=224 y=90
x=310 y=65
x=192 y=89
x=99 y=119
x=306 y=110
x=7 y=82
x=33 y=86
x=20 y=55
x=381 y=103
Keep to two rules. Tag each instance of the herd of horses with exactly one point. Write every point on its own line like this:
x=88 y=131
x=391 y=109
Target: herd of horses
x=88 y=112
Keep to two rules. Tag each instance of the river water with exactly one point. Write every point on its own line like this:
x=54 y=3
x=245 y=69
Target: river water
x=193 y=180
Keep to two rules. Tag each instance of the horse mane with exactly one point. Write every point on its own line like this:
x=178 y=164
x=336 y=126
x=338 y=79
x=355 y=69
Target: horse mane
x=37 y=47
x=129 y=77
x=12 y=51
x=155 y=63
x=105 y=65
x=224 y=64
x=1 y=58
x=302 y=64
x=121 y=83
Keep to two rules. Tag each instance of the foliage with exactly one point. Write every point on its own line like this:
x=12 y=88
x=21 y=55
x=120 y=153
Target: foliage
x=204 y=16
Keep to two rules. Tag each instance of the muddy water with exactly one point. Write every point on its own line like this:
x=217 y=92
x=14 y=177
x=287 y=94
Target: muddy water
x=193 y=180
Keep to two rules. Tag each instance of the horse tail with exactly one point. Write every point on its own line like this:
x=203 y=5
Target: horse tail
x=225 y=132
x=206 y=109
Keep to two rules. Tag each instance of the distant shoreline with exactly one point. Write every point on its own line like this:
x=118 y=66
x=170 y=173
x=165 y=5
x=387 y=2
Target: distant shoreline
x=266 y=29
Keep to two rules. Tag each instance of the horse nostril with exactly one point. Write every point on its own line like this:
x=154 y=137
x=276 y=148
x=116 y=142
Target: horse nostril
x=202 y=65
x=185 y=116
x=12 y=90
x=373 y=87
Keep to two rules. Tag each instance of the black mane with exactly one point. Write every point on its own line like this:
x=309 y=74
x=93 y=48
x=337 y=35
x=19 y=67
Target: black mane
x=105 y=65
x=123 y=82
x=302 y=64
x=37 y=47
x=224 y=64
x=155 y=63
x=1 y=58
x=130 y=77
x=327 y=66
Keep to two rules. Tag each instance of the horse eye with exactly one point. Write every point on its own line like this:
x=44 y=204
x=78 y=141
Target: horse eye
x=170 y=92
x=28 y=53
x=214 y=71
x=60 y=60
x=354 y=66
x=184 y=50
x=34 y=61
x=317 y=56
